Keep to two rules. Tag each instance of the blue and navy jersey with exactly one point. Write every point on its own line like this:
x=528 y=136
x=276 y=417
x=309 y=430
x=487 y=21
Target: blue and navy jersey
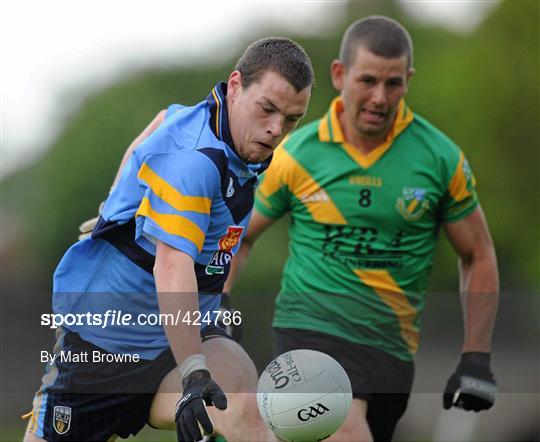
x=186 y=186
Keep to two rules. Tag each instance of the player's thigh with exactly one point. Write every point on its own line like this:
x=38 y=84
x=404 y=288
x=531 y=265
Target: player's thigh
x=231 y=368
x=355 y=428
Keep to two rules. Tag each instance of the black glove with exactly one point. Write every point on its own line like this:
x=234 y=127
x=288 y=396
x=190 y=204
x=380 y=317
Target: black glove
x=472 y=386
x=232 y=330
x=198 y=386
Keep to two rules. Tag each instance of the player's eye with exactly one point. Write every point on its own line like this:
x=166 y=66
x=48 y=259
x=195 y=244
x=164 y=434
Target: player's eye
x=395 y=83
x=267 y=110
x=292 y=120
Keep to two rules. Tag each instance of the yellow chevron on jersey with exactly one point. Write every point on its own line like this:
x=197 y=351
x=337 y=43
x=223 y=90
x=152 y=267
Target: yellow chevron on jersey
x=463 y=182
x=163 y=190
x=173 y=224
x=385 y=286
x=298 y=181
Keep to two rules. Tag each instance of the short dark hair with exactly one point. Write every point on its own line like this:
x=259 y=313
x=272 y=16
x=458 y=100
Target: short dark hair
x=281 y=55
x=380 y=35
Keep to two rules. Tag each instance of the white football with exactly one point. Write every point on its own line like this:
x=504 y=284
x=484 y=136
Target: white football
x=304 y=396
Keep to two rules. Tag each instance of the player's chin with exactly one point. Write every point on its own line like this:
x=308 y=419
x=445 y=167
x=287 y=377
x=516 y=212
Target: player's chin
x=372 y=129
x=259 y=158
x=259 y=152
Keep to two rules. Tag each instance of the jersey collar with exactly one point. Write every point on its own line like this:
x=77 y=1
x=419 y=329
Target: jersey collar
x=219 y=117
x=219 y=124
x=330 y=132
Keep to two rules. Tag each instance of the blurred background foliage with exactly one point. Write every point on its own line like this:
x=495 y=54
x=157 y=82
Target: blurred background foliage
x=481 y=88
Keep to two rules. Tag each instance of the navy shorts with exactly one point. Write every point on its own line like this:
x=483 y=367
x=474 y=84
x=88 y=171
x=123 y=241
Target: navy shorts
x=381 y=379
x=91 y=401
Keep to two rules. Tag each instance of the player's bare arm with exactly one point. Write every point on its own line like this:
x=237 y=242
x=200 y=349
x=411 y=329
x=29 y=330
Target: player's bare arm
x=176 y=285
x=479 y=278
x=472 y=385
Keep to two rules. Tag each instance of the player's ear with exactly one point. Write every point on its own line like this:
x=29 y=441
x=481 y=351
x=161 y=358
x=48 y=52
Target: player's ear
x=234 y=85
x=337 y=72
x=410 y=74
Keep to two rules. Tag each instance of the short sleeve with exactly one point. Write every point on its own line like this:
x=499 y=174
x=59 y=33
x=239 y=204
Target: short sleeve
x=273 y=197
x=175 y=208
x=172 y=109
x=461 y=197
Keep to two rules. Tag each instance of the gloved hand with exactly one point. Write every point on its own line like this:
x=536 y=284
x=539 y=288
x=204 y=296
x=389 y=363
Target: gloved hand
x=198 y=386
x=232 y=330
x=472 y=386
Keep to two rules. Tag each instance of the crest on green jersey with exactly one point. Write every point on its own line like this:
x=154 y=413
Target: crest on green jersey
x=412 y=203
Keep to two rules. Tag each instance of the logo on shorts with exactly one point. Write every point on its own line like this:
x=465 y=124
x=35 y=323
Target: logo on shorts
x=224 y=255
x=412 y=204
x=62 y=419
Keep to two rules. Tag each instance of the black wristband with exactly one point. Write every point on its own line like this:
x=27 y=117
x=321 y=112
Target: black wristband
x=477 y=358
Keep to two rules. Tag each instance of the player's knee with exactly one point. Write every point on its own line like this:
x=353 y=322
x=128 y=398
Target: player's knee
x=248 y=378
x=242 y=381
x=230 y=366
x=247 y=383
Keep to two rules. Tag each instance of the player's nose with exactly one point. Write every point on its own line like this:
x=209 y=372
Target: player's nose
x=378 y=95
x=275 y=126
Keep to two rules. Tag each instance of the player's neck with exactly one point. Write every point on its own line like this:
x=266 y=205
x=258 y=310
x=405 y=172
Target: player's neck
x=364 y=144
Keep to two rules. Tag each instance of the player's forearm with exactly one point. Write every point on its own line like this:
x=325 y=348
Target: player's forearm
x=479 y=283
x=238 y=265
x=176 y=285
x=184 y=338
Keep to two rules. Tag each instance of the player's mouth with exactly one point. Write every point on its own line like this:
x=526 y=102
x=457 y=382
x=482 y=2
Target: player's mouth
x=265 y=146
x=372 y=116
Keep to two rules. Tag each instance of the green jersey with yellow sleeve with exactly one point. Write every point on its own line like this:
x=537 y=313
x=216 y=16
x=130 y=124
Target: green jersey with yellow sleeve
x=363 y=228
